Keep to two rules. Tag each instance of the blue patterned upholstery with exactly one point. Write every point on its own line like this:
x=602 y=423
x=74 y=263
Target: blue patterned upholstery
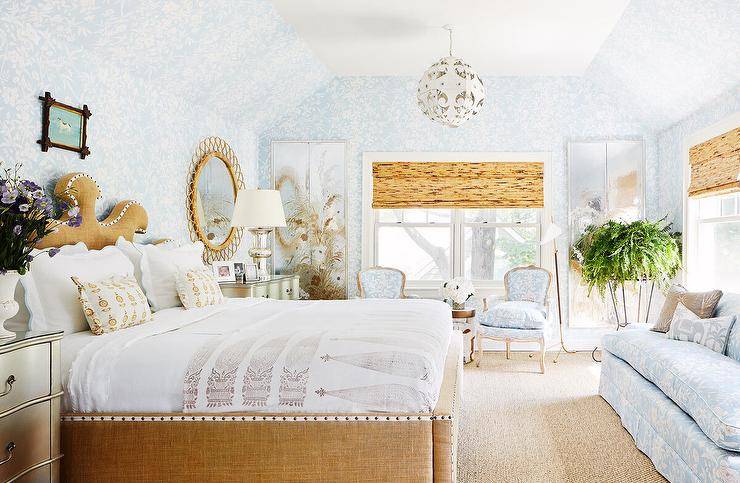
x=700 y=381
x=515 y=314
x=504 y=333
x=528 y=284
x=678 y=448
x=729 y=304
x=381 y=283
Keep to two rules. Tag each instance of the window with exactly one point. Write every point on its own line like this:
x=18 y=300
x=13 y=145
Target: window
x=435 y=244
x=714 y=242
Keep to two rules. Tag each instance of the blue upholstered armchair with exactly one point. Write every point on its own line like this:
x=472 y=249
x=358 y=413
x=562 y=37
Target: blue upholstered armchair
x=381 y=283
x=521 y=316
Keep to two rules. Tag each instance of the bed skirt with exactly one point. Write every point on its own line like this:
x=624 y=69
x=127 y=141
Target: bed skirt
x=233 y=447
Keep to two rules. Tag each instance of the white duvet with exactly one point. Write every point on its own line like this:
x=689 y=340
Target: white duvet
x=266 y=355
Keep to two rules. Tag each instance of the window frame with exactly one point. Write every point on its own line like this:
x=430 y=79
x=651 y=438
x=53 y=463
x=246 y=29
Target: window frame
x=695 y=221
x=368 y=234
x=690 y=205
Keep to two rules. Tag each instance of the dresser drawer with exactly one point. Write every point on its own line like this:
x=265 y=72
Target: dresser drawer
x=39 y=475
x=29 y=429
x=29 y=370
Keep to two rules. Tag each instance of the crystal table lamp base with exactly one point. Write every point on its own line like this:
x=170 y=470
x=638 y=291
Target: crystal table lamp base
x=260 y=251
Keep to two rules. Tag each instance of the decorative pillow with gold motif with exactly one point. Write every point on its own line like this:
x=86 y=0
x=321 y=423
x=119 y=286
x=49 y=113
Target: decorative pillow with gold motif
x=113 y=304
x=197 y=287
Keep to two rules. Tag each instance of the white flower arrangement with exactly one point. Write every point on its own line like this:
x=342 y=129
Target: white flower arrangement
x=458 y=290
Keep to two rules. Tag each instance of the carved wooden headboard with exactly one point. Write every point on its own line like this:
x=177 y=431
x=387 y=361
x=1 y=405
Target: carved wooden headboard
x=79 y=189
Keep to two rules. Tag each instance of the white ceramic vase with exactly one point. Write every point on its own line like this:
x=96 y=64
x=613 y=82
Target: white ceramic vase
x=8 y=305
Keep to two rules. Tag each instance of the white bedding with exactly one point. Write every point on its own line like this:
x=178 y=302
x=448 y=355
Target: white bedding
x=344 y=356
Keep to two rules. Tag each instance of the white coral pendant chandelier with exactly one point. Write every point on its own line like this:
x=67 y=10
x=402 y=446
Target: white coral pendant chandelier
x=450 y=91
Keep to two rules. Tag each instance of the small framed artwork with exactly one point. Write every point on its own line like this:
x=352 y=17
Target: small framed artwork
x=63 y=126
x=239 y=271
x=250 y=271
x=224 y=271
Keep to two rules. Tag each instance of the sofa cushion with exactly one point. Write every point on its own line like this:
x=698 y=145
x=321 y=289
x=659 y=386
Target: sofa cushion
x=700 y=381
x=700 y=303
x=712 y=333
x=730 y=305
x=674 y=442
x=515 y=314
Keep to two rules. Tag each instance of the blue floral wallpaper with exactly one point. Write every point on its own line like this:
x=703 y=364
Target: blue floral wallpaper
x=158 y=76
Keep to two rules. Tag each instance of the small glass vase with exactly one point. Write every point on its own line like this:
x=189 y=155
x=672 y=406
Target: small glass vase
x=458 y=305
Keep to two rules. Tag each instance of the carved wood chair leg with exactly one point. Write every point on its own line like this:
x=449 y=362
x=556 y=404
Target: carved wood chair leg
x=542 y=355
x=508 y=349
x=479 y=342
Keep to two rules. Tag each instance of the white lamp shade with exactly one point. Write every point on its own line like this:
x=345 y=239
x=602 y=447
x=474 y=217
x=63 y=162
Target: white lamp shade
x=258 y=209
x=551 y=233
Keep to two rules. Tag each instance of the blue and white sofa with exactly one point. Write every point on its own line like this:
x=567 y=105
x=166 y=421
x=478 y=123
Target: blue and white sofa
x=680 y=401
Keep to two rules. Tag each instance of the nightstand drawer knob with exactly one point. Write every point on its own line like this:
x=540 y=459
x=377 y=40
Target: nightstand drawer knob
x=9 y=385
x=9 y=452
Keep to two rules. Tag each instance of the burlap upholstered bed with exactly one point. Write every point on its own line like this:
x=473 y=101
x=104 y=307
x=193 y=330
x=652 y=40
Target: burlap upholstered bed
x=268 y=447
x=255 y=446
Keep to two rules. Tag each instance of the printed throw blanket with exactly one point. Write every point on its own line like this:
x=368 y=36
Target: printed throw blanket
x=325 y=357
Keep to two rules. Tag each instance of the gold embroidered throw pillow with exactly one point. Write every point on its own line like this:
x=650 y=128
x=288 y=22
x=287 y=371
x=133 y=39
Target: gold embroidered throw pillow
x=113 y=304
x=197 y=287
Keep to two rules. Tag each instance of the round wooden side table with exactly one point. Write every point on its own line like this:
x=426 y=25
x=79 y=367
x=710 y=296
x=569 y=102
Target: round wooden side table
x=462 y=320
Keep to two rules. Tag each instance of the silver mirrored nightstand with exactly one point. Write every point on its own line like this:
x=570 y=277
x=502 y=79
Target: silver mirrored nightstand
x=30 y=400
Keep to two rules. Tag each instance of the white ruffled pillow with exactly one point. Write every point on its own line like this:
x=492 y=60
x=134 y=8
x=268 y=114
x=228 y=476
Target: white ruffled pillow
x=113 y=304
x=159 y=269
x=198 y=287
x=51 y=295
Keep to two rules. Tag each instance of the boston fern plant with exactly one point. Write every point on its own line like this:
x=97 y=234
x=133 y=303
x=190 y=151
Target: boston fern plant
x=26 y=216
x=618 y=252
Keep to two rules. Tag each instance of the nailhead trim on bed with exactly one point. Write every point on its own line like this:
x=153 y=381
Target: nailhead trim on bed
x=137 y=418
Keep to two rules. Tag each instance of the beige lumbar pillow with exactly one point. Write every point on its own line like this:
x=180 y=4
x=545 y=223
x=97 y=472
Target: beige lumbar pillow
x=702 y=304
x=197 y=287
x=113 y=304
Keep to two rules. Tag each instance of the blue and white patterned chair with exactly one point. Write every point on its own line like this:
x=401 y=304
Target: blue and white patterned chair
x=521 y=316
x=381 y=283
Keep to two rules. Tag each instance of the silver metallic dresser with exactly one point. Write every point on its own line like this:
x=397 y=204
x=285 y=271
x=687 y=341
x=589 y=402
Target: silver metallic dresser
x=30 y=399
x=280 y=287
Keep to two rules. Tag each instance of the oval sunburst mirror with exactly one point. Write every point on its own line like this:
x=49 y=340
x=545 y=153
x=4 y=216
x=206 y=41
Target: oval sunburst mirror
x=215 y=178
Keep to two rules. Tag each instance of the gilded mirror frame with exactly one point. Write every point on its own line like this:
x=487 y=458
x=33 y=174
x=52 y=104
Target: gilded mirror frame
x=208 y=149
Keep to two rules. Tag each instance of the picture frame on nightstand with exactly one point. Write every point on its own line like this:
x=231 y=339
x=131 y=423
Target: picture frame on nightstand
x=224 y=271
x=250 y=271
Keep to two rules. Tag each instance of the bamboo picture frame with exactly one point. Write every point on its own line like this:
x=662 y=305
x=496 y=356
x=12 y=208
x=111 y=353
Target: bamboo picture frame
x=64 y=126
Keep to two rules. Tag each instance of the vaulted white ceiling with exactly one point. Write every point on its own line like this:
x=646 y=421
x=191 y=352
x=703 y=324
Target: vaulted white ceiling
x=497 y=37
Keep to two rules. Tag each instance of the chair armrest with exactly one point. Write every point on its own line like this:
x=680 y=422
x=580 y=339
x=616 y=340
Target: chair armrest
x=491 y=300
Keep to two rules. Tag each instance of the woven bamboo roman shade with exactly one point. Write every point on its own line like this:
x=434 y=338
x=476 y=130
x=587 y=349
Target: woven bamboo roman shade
x=458 y=185
x=715 y=165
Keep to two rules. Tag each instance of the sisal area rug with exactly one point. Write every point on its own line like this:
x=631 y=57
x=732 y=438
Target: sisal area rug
x=522 y=426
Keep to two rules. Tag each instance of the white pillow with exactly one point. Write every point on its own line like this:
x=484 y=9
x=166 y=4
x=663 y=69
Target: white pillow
x=159 y=269
x=134 y=251
x=20 y=322
x=51 y=295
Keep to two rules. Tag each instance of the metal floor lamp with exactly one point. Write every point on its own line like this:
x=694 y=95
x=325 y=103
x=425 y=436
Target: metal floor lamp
x=551 y=234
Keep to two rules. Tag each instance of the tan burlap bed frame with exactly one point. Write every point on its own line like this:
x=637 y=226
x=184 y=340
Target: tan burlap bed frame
x=230 y=447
